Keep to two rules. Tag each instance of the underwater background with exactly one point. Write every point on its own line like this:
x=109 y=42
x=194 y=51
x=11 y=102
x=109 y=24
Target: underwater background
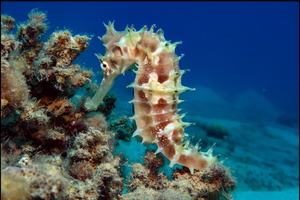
x=244 y=63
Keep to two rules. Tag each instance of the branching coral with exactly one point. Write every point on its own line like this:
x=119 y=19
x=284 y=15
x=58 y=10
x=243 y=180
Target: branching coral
x=56 y=141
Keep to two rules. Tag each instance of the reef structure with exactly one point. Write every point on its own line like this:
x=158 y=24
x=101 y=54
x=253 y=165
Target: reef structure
x=52 y=148
x=157 y=87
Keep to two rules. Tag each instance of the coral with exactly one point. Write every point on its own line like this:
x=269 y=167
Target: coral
x=143 y=193
x=91 y=158
x=29 y=33
x=40 y=124
x=111 y=181
x=34 y=115
x=36 y=72
x=92 y=145
x=14 y=90
x=81 y=170
x=105 y=184
x=64 y=48
x=172 y=194
x=96 y=120
x=7 y=22
x=80 y=79
x=108 y=104
x=54 y=147
x=153 y=162
x=35 y=181
x=148 y=175
x=60 y=107
x=212 y=183
x=8 y=44
x=122 y=127
x=142 y=176
x=14 y=187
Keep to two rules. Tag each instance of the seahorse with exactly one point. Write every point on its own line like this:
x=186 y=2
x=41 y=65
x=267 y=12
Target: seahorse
x=157 y=86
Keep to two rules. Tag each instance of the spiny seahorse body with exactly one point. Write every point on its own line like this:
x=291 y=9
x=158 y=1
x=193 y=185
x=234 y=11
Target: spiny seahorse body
x=156 y=90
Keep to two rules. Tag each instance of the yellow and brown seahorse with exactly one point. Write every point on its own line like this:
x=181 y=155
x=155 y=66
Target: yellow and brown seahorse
x=156 y=87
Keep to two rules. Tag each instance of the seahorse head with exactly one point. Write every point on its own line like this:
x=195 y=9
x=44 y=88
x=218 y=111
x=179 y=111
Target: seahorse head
x=119 y=57
x=120 y=50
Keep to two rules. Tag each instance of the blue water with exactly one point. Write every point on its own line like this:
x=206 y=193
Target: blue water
x=243 y=57
x=230 y=47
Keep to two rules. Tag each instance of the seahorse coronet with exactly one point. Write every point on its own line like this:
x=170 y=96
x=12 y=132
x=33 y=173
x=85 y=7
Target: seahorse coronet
x=157 y=87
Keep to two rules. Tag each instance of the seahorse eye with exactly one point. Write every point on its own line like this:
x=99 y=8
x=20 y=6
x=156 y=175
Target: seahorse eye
x=104 y=65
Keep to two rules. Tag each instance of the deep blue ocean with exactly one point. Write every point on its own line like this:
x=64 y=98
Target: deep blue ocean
x=229 y=47
x=244 y=62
